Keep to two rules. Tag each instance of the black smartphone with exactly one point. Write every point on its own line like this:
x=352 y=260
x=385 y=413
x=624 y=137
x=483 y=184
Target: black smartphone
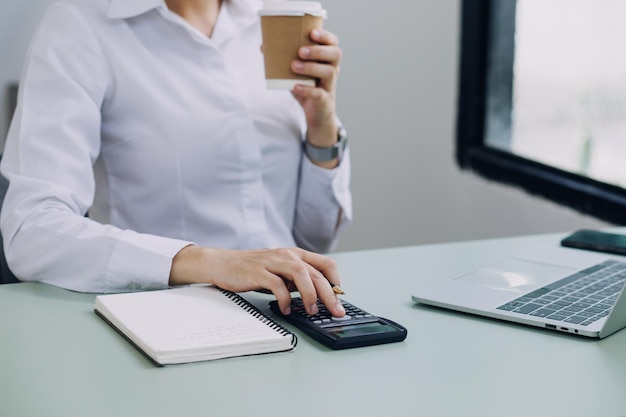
x=596 y=240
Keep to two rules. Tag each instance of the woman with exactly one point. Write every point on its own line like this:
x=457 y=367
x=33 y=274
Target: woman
x=153 y=118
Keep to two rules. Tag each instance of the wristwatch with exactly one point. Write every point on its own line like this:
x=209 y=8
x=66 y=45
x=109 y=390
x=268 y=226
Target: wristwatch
x=328 y=153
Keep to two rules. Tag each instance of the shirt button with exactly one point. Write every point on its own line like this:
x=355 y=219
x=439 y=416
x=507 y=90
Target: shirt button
x=134 y=286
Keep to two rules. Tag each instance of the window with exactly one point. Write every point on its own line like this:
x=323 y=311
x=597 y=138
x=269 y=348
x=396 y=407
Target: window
x=542 y=101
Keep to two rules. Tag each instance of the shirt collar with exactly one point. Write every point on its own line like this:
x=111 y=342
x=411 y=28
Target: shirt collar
x=122 y=9
x=246 y=9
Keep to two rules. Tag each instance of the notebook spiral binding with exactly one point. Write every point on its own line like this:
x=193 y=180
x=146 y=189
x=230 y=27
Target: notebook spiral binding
x=255 y=312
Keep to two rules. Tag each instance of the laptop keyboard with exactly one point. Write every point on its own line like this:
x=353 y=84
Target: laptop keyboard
x=581 y=298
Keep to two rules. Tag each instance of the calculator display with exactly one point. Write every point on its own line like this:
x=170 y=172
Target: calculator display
x=361 y=329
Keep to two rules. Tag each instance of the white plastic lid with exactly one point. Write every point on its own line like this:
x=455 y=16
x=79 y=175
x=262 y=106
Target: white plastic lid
x=292 y=8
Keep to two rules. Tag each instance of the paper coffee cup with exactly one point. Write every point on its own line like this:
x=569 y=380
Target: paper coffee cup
x=286 y=26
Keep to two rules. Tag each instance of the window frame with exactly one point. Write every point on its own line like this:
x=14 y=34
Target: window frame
x=601 y=200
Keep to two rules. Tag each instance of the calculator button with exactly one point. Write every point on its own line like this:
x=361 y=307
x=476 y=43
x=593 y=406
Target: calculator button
x=344 y=318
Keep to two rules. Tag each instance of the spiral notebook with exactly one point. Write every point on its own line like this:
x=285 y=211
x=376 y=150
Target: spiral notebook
x=191 y=324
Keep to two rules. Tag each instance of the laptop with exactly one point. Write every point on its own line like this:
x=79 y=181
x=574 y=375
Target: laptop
x=561 y=289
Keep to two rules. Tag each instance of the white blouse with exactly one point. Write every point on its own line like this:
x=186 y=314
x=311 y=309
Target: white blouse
x=165 y=137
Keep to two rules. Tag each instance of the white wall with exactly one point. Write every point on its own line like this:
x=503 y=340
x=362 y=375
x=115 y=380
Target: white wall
x=397 y=96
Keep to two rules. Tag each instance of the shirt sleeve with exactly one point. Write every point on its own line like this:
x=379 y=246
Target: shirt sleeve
x=53 y=142
x=324 y=206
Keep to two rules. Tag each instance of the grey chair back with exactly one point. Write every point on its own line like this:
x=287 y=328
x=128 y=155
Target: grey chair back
x=6 y=276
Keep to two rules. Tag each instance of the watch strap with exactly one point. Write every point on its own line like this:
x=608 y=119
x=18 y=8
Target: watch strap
x=328 y=153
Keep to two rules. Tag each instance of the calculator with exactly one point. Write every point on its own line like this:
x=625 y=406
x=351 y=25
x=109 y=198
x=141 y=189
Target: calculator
x=356 y=329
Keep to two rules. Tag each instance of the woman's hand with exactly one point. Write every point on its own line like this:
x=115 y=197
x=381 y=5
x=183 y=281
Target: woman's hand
x=277 y=270
x=322 y=62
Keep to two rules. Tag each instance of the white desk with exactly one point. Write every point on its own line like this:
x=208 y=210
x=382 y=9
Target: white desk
x=57 y=358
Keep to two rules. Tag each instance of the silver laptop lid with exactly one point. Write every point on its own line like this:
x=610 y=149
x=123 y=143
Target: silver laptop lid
x=487 y=289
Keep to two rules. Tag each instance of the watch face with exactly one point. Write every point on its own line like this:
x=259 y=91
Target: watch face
x=342 y=134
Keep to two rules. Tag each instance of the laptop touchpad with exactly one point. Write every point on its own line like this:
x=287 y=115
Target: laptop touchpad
x=516 y=275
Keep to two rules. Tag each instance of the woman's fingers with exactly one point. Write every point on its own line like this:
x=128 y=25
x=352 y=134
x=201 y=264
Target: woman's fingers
x=277 y=270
